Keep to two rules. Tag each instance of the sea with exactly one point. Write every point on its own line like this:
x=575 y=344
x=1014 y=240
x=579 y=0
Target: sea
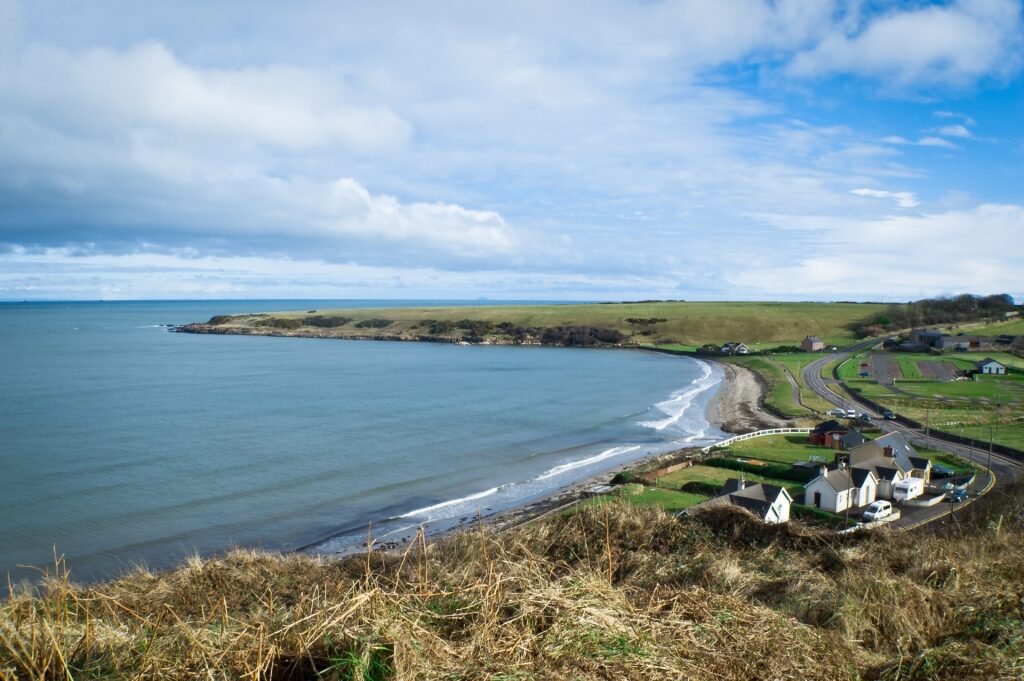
x=123 y=444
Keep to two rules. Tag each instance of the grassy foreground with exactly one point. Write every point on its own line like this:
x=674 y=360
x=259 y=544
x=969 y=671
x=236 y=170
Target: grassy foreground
x=606 y=592
x=689 y=324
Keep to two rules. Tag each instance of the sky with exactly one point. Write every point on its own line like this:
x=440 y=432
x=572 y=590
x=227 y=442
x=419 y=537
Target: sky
x=543 y=150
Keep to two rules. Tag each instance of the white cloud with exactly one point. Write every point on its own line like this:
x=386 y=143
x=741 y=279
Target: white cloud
x=930 y=141
x=954 y=45
x=146 y=89
x=902 y=199
x=955 y=131
x=923 y=254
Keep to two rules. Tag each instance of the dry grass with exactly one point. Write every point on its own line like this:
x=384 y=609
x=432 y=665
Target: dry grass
x=609 y=592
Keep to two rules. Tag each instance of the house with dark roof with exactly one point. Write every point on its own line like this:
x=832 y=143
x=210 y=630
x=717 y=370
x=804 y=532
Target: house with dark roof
x=835 y=435
x=839 y=488
x=927 y=337
x=812 y=344
x=823 y=429
x=734 y=348
x=768 y=502
x=990 y=366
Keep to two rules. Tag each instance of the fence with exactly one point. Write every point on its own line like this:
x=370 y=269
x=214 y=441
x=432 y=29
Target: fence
x=757 y=433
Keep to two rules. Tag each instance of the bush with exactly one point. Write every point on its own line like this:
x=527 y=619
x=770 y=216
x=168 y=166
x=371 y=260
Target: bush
x=327 y=322
x=623 y=478
x=219 y=319
x=374 y=323
x=581 y=336
x=278 y=323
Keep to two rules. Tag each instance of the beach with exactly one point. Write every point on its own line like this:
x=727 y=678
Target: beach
x=736 y=408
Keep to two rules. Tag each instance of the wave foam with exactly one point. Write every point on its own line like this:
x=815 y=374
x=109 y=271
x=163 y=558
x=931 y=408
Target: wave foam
x=572 y=465
x=452 y=502
x=679 y=402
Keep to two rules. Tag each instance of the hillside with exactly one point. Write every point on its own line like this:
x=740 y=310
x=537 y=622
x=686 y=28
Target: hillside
x=757 y=324
x=608 y=592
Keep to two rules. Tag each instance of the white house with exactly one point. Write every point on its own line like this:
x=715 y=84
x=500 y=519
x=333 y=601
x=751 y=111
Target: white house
x=837 y=489
x=990 y=366
x=768 y=502
x=734 y=348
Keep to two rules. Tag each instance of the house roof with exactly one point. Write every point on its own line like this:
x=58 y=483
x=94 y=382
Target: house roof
x=839 y=479
x=829 y=427
x=759 y=498
x=988 y=360
x=920 y=462
x=880 y=467
x=852 y=439
x=901 y=451
x=756 y=497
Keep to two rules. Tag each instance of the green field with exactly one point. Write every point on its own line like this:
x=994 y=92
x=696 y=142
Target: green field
x=952 y=406
x=796 y=362
x=691 y=324
x=779 y=396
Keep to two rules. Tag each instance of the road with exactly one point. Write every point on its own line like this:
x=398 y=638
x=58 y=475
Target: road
x=1006 y=470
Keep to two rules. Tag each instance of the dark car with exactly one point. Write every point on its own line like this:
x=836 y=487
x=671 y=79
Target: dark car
x=958 y=495
x=888 y=415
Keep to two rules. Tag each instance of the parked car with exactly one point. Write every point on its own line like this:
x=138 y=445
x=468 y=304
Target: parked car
x=864 y=416
x=877 y=510
x=888 y=415
x=958 y=495
x=837 y=412
x=851 y=413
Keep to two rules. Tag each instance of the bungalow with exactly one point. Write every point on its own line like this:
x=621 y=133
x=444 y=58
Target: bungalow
x=812 y=344
x=838 y=489
x=734 y=348
x=990 y=366
x=770 y=503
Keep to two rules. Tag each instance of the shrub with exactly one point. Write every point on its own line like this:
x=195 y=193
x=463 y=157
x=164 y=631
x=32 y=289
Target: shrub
x=374 y=323
x=327 y=322
x=771 y=470
x=278 y=323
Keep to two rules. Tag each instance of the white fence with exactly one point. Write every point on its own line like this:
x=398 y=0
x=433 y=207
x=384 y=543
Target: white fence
x=757 y=433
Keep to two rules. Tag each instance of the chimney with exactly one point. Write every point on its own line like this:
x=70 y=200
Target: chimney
x=823 y=469
x=887 y=452
x=743 y=483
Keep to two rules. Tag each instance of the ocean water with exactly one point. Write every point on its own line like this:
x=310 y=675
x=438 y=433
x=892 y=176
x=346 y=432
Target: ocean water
x=123 y=444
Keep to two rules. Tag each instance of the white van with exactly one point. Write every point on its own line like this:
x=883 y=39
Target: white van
x=877 y=510
x=851 y=413
x=908 y=488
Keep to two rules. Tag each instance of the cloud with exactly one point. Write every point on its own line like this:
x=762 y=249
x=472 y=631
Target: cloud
x=923 y=254
x=953 y=45
x=145 y=88
x=902 y=199
x=954 y=131
x=930 y=141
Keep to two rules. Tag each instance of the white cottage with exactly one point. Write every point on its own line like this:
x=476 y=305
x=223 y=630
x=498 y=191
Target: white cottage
x=838 y=489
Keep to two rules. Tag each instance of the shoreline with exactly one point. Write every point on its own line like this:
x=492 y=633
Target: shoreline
x=736 y=407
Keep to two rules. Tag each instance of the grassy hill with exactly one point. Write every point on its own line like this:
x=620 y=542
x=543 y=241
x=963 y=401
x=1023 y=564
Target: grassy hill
x=757 y=324
x=607 y=592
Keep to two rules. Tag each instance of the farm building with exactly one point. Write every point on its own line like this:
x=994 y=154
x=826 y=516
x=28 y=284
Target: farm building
x=990 y=366
x=927 y=337
x=811 y=344
x=959 y=343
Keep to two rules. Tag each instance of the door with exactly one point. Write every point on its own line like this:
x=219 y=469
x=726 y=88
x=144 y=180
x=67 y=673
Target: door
x=817 y=500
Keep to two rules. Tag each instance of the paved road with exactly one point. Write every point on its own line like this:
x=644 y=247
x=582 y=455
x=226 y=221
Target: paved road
x=1005 y=469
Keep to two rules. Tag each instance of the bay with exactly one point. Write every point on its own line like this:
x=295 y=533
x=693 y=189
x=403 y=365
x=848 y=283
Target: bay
x=124 y=444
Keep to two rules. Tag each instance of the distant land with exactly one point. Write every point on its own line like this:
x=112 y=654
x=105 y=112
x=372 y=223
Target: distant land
x=760 y=325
